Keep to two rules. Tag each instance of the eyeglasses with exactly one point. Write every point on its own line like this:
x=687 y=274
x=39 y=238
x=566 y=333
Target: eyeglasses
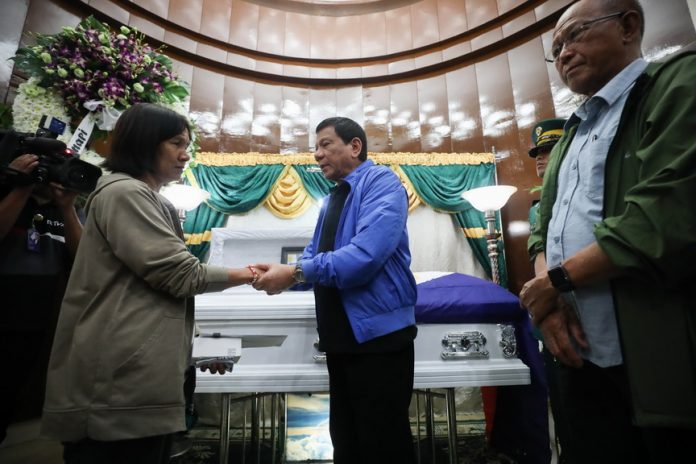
x=575 y=34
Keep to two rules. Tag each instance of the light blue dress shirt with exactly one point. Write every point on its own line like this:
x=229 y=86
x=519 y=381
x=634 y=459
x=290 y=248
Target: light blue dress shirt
x=579 y=205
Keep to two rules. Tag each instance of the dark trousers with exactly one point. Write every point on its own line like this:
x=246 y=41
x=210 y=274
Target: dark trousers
x=597 y=406
x=369 y=399
x=560 y=421
x=148 y=450
x=22 y=388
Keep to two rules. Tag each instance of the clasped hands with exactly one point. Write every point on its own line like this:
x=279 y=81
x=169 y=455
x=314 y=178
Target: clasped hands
x=556 y=318
x=273 y=278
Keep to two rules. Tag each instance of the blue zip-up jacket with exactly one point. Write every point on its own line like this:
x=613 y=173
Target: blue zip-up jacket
x=370 y=262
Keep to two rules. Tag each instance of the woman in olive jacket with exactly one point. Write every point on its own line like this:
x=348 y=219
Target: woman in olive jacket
x=115 y=381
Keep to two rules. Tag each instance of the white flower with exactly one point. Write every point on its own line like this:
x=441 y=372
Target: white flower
x=92 y=157
x=31 y=103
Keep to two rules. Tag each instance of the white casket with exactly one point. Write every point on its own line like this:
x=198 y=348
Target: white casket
x=279 y=354
x=279 y=332
x=278 y=335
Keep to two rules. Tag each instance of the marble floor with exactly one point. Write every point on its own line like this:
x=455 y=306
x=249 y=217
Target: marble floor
x=23 y=445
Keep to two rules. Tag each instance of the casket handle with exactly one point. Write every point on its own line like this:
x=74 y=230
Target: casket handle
x=321 y=357
x=508 y=341
x=469 y=344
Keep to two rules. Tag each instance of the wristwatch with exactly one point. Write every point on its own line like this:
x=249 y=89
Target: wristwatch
x=560 y=279
x=298 y=275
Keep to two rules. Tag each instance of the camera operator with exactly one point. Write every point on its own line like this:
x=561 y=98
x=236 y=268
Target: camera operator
x=39 y=233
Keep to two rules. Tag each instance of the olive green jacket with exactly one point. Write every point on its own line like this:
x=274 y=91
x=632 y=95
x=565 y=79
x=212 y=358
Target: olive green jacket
x=649 y=232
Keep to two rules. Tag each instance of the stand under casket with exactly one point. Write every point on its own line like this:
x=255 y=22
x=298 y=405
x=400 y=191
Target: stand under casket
x=458 y=344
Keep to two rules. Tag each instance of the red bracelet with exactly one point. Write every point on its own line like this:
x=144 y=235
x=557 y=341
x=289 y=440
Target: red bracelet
x=254 y=275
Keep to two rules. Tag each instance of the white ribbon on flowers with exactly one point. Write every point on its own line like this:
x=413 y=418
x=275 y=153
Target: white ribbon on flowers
x=79 y=140
x=107 y=117
x=102 y=115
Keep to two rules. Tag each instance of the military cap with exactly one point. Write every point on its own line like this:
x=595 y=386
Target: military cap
x=546 y=133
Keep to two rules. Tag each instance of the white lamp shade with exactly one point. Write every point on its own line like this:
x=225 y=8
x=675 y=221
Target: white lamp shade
x=186 y=197
x=490 y=198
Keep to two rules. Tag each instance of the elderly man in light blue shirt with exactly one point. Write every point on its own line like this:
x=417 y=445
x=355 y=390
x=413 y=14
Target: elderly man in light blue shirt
x=579 y=207
x=610 y=266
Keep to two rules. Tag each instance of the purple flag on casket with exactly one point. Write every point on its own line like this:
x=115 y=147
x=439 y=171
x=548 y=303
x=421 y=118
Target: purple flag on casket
x=520 y=427
x=463 y=298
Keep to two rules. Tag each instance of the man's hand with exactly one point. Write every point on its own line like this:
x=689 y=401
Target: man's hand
x=25 y=163
x=11 y=205
x=274 y=278
x=214 y=368
x=560 y=329
x=539 y=297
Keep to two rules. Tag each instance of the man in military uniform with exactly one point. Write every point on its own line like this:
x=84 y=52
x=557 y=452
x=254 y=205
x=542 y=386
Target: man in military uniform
x=545 y=134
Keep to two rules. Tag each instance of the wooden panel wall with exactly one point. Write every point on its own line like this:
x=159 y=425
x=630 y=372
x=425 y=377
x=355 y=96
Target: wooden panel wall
x=261 y=78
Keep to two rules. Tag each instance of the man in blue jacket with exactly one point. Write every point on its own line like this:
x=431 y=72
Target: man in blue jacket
x=358 y=262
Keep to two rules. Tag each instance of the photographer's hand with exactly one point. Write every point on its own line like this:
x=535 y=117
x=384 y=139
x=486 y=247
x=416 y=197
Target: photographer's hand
x=25 y=163
x=65 y=200
x=62 y=197
x=12 y=204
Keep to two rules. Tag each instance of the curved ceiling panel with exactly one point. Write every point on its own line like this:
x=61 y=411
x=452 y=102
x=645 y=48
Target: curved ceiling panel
x=334 y=7
x=404 y=41
x=404 y=25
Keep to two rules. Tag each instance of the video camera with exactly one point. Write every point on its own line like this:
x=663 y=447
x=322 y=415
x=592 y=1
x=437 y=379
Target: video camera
x=56 y=162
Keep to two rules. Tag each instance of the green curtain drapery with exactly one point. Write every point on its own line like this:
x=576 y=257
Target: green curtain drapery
x=233 y=190
x=314 y=182
x=441 y=187
x=239 y=183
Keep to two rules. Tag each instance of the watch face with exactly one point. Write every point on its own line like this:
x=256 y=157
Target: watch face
x=559 y=279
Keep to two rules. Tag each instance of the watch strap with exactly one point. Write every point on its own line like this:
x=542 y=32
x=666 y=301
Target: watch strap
x=298 y=275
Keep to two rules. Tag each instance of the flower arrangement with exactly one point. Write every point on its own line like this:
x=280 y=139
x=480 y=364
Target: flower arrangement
x=91 y=67
x=91 y=73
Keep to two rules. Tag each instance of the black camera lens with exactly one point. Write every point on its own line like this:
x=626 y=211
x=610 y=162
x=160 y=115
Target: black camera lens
x=79 y=175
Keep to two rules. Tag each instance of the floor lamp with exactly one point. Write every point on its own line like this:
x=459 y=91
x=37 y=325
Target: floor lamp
x=184 y=198
x=489 y=200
